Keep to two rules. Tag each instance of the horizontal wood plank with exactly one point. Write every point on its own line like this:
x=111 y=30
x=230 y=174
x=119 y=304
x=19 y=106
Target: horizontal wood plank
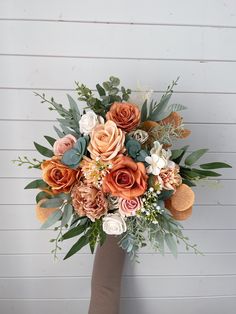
x=216 y=305
x=54 y=73
x=151 y=11
x=202 y=108
x=185 y=265
x=33 y=241
x=157 y=42
x=131 y=287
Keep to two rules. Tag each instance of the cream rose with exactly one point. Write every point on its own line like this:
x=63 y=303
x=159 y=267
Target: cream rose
x=63 y=144
x=88 y=122
x=114 y=224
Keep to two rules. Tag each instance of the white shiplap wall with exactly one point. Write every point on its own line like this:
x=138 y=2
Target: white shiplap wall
x=46 y=46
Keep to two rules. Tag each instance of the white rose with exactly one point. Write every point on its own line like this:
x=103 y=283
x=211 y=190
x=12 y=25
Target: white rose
x=114 y=224
x=88 y=122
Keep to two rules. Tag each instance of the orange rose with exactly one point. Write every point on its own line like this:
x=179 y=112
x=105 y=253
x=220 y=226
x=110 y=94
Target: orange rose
x=126 y=179
x=58 y=176
x=107 y=141
x=125 y=115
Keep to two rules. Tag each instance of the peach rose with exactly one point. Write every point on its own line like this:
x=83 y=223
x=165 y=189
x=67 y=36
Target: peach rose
x=107 y=141
x=126 y=179
x=125 y=115
x=129 y=207
x=63 y=144
x=88 y=200
x=58 y=176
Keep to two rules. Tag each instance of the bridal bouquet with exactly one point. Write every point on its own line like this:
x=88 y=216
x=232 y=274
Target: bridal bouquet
x=111 y=171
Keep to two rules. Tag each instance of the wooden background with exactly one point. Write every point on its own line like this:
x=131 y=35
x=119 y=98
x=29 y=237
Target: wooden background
x=45 y=46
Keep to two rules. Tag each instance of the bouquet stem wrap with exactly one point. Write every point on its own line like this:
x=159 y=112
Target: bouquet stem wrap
x=106 y=278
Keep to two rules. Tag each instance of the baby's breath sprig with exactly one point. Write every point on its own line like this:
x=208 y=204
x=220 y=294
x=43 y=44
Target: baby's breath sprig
x=150 y=206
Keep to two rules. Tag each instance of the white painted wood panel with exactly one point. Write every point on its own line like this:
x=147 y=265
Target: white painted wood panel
x=37 y=242
x=26 y=106
x=132 y=11
x=183 y=39
x=216 y=305
x=35 y=265
x=53 y=73
x=132 y=287
x=147 y=42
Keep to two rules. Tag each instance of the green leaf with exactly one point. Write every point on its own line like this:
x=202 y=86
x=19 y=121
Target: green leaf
x=144 y=111
x=52 y=203
x=59 y=133
x=207 y=173
x=36 y=184
x=215 y=165
x=50 y=140
x=171 y=243
x=73 y=105
x=160 y=239
x=43 y=150
x=42 y=195
x=180 y=157
x=101 y=91
x=176 y=107
x=194 y=156
x=165 y=194
x=74 y=232
x=161 y=112
x=84 y=240
x=188 y=182
x=67 y=213
x=175 y=153
x=52 y=219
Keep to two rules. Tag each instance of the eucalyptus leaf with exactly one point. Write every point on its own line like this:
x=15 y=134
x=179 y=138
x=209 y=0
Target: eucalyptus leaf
x=36 y=184
x=67 y=213
x=41 y=195
x=52 y=203
x=52 y=219
x=171 y=243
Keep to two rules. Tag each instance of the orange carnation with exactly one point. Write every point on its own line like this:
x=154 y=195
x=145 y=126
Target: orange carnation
x=107 y=141
x=125 y=115
x=58 y=176
x=126 y=179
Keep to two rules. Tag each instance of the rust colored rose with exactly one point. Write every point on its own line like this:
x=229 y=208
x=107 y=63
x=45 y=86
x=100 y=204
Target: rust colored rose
x=58 y=176
x=89 y=201
x=126 y=179
x=125 y=115
x=107 y=141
